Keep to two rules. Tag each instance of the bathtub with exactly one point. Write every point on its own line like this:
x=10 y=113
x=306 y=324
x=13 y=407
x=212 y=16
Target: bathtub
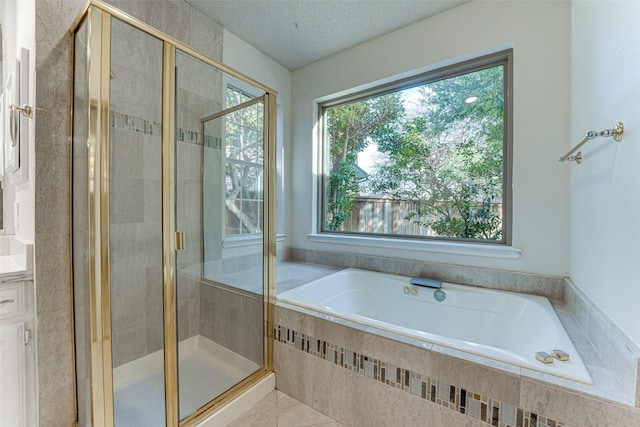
x=505 y=326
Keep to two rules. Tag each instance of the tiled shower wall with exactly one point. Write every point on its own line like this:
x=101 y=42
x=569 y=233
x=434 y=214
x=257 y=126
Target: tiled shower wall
x=52 y=163
x=135 y=178
x=233 y=318
x=231 y=304
x=199 y=93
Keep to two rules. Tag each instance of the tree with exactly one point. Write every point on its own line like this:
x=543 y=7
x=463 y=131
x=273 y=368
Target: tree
x=448 y=157
x=350 y=128
x=244 y=157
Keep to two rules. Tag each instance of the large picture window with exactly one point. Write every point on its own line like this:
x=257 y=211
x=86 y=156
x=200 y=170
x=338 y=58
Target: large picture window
x=427 y=157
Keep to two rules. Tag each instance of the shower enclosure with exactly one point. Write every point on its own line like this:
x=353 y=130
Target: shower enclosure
x=173 y=226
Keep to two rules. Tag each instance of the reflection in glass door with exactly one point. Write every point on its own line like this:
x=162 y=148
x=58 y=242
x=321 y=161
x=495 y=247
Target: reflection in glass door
x=219 y=197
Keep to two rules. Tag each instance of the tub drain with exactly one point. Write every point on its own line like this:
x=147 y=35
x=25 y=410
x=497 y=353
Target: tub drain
x=439 y=295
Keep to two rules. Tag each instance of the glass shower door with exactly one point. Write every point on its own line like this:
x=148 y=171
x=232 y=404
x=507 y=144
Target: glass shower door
x=173 y=239
x=219 y=203
x=135 y=227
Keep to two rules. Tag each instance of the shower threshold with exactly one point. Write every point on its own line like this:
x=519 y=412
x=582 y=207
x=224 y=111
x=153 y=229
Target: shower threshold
x=205 y=370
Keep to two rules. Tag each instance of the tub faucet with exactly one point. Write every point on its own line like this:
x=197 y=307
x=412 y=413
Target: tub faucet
x=427 y=283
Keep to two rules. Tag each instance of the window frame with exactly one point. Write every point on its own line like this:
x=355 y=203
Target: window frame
x=504 y=58
x=253 y=95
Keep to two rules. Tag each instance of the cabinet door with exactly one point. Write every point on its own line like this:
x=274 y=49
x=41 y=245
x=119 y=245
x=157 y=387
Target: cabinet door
x=12 y=375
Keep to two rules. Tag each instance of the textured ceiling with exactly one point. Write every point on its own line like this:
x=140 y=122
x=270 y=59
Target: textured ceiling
x=296 y=33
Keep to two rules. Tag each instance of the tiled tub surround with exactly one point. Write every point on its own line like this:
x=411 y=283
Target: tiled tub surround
x=619 y=354
x=615 y=356
x=362 y=377
x=500 y=325
x=449 y=396
x=356 y=399
x=527 y=283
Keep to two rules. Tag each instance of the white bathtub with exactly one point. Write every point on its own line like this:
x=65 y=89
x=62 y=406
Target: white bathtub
x=500 y=325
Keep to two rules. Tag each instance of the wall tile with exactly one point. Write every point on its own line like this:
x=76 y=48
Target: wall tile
x=352 y=399
x=136 y=8
x=127 y=48
x=129 y=343
x=53 y=284
x=155 y=333
x=127 y=155
x=638 y=384
x=55 y=351
x=152 y=200
x=127 y=200
x=171 y=17
x=575 y=409
x=56 y=407
x=183 y=320
x=455 y=392
x=151 y=232
x=486 y=381
x=152 y=149
x=128 y=297
x=233 y=320
x=51 y=198
x=294 y=375
x=383 y=405
x=126 y=239
x=205 y=34
x=342 y=402
x=619 y=354
x=549 y=286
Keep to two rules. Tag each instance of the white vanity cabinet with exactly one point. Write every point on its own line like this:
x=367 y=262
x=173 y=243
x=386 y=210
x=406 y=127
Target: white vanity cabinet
x=12 y=373
x=16 y=352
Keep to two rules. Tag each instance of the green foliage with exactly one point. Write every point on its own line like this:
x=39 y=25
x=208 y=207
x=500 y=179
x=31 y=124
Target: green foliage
x=351 y=127
x=446 y=155
x=449 y=157
x=244 y=157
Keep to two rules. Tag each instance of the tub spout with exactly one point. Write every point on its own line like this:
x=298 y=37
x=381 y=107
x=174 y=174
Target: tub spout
x=427 y=283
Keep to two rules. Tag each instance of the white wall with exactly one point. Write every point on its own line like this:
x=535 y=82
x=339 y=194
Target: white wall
x=246 y=59
x=605 y=190
x=539 y=34
x=18 y=30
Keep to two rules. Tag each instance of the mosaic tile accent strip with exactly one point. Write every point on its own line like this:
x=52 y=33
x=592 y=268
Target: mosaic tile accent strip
x=465 y=401
x=148 y=127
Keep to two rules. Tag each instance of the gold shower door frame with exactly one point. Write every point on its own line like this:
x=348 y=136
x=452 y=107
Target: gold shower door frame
x=97 y=16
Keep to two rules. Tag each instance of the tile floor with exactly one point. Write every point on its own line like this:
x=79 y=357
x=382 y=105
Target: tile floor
x=279 y=410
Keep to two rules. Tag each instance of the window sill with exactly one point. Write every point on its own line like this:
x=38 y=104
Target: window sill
x=452 y=248
x=251 y=240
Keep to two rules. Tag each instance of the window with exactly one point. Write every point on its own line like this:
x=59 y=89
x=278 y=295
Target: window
x=244 y=157
x=426 y=157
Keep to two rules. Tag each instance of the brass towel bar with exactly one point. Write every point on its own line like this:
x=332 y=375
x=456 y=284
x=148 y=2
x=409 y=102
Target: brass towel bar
x=616 y=133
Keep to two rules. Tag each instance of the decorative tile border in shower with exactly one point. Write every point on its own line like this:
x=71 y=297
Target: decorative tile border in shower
x=148 y=127
x=465 y=401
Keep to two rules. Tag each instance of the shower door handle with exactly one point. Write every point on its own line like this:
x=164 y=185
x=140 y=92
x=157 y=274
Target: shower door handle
x=179 y=240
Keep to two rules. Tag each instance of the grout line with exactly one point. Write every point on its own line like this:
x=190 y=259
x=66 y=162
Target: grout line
x=456 y=398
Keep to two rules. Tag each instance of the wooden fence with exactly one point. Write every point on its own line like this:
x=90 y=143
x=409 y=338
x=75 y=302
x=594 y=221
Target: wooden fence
x=386 y=216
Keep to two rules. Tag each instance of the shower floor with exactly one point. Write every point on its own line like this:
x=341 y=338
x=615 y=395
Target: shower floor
x=205 y=370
